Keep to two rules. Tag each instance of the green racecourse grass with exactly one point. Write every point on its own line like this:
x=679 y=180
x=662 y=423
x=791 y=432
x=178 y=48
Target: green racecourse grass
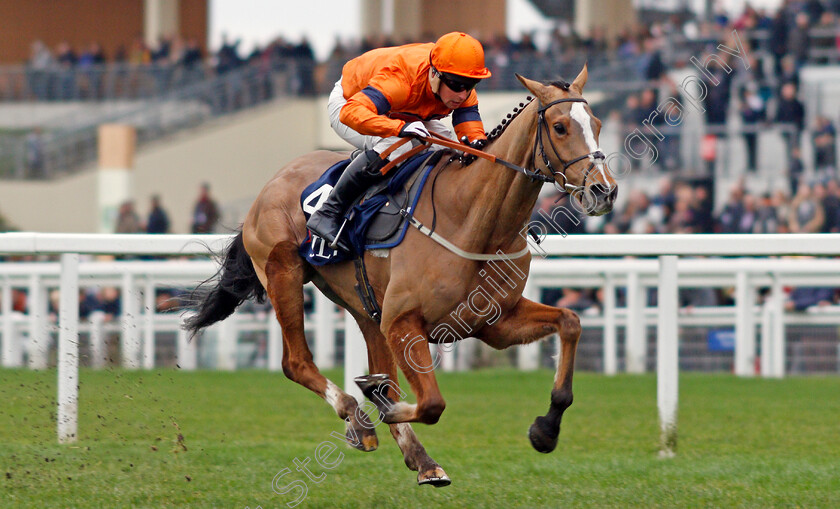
x=742 y=443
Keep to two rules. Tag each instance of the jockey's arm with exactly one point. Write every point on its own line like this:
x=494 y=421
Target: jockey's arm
x=467 y=121
x=365 y=111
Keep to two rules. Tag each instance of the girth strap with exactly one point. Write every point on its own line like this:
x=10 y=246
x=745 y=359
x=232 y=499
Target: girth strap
x=480 y=257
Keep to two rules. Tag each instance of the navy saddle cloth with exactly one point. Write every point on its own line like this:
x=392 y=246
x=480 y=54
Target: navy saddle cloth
x=376 y=222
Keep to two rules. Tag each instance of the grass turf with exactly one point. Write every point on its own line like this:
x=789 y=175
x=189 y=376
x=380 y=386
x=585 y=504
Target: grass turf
x=742 y=443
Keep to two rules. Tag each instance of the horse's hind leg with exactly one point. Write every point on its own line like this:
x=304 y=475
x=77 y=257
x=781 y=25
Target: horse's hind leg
x=527 y=322
x=381 y=361
x=284 y=286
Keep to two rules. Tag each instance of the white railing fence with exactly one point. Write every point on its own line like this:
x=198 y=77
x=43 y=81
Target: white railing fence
x=139 y=322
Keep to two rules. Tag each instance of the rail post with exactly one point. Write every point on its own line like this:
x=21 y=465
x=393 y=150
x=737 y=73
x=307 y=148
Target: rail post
x=39 y=337
x=12 y=353
x=68 y=349
x=744 y=325
x=355 y=357
x=635 y=337
x=528 y=356
x=667 y=355
x=324 y=331
x=610 y=336
x=275 y=343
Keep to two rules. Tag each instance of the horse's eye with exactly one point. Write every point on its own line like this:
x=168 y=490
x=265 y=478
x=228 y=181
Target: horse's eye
x=560 y=129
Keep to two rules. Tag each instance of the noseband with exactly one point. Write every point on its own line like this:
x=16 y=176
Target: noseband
x=596 y=157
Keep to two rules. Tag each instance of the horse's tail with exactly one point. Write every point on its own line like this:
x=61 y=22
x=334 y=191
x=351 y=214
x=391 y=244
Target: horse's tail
x=218 y=297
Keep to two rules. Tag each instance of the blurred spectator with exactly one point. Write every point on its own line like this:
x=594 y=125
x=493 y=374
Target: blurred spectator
x=814 y=9
x=127 y=219
x=777 y=39
x=227 y=58
x=638 y=216
x=576 y=299
x=704 y=221
x=799 y=42
x=752 y=112
x=697 y=297
x=795 y=169
x=729 y=220
x=567 y=216
x=806 y=213
x=781 y=201
x=825 y=151
x=40 y=63
x=139 y=55
x=718 y=82
x=802 y=298
x=831 y=207
x=824 y=41
x=790 y=111
x=649 y=120
x=682 y=220
x=749 y=215
x=167 y=300
x=66 y=60
x=109 y=302
x=789 y=73
x=665 y=198
x=158 y=221
x=205 y=212
x=766 y=219
x=304 y=72
x=90 y=75
x=35 y=154
x=542 y=213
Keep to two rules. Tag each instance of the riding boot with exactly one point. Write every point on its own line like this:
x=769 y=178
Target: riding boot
x=360 y=174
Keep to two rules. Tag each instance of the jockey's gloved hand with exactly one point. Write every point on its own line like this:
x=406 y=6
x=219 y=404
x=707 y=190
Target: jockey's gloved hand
x=477 y=144
x=414 y=129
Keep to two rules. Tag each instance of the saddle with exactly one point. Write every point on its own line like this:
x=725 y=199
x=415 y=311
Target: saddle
x=374 y=219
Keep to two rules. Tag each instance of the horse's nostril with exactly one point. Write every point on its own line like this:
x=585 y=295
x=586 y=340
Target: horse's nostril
x=613 y=194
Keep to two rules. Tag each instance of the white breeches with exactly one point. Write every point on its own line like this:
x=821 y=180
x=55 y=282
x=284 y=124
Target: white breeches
x=364 y=142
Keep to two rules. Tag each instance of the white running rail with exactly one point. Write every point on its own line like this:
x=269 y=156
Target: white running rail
x=668 y=273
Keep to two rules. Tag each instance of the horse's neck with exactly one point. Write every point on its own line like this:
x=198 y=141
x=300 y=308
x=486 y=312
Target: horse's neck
x=493 y=202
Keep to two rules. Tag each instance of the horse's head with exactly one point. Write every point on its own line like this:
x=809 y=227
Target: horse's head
x=566 y=144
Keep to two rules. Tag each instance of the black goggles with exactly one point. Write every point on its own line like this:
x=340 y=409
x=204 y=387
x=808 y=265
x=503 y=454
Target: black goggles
x=457 y=83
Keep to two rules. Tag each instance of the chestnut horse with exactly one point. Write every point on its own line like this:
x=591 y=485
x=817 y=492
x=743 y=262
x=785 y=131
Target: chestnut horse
x=429 y=293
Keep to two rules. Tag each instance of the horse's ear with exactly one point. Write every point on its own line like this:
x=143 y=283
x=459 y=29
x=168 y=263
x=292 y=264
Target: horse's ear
x=580 y=81
x=536 y=88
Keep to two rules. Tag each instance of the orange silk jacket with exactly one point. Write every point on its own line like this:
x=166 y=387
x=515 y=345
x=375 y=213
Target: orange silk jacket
x=386 y=88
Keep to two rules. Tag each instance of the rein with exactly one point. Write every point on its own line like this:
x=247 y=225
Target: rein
x=535 y=174
x=596 y=157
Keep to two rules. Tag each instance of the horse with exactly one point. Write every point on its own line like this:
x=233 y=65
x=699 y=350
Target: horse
x=429 y=293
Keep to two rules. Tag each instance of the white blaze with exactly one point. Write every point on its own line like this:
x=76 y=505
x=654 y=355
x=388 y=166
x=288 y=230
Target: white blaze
x=579 y=115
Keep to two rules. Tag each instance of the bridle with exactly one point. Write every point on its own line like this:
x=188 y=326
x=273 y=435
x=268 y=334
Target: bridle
x=537 y=174
x=596 y=157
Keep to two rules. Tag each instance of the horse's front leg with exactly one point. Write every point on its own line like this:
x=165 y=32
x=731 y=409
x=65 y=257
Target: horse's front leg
x=381 y=362
x=527 y=322
x=406 y=339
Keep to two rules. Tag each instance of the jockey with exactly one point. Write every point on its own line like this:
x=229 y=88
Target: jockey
x=403 y=91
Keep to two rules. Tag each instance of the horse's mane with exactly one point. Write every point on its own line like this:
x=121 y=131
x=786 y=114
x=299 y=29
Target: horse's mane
x=499 y=129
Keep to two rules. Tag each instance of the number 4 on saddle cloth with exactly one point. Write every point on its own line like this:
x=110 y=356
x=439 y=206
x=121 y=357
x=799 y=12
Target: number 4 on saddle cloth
x=374 y=219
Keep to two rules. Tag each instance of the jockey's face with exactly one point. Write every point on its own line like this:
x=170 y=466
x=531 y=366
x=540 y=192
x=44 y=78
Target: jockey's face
x=451 y=99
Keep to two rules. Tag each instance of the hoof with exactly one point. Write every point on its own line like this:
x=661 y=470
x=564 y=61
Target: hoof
x=543 y=437
x=363 y=439
x=435 y=477
x=369 y=443
x=369 y=383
